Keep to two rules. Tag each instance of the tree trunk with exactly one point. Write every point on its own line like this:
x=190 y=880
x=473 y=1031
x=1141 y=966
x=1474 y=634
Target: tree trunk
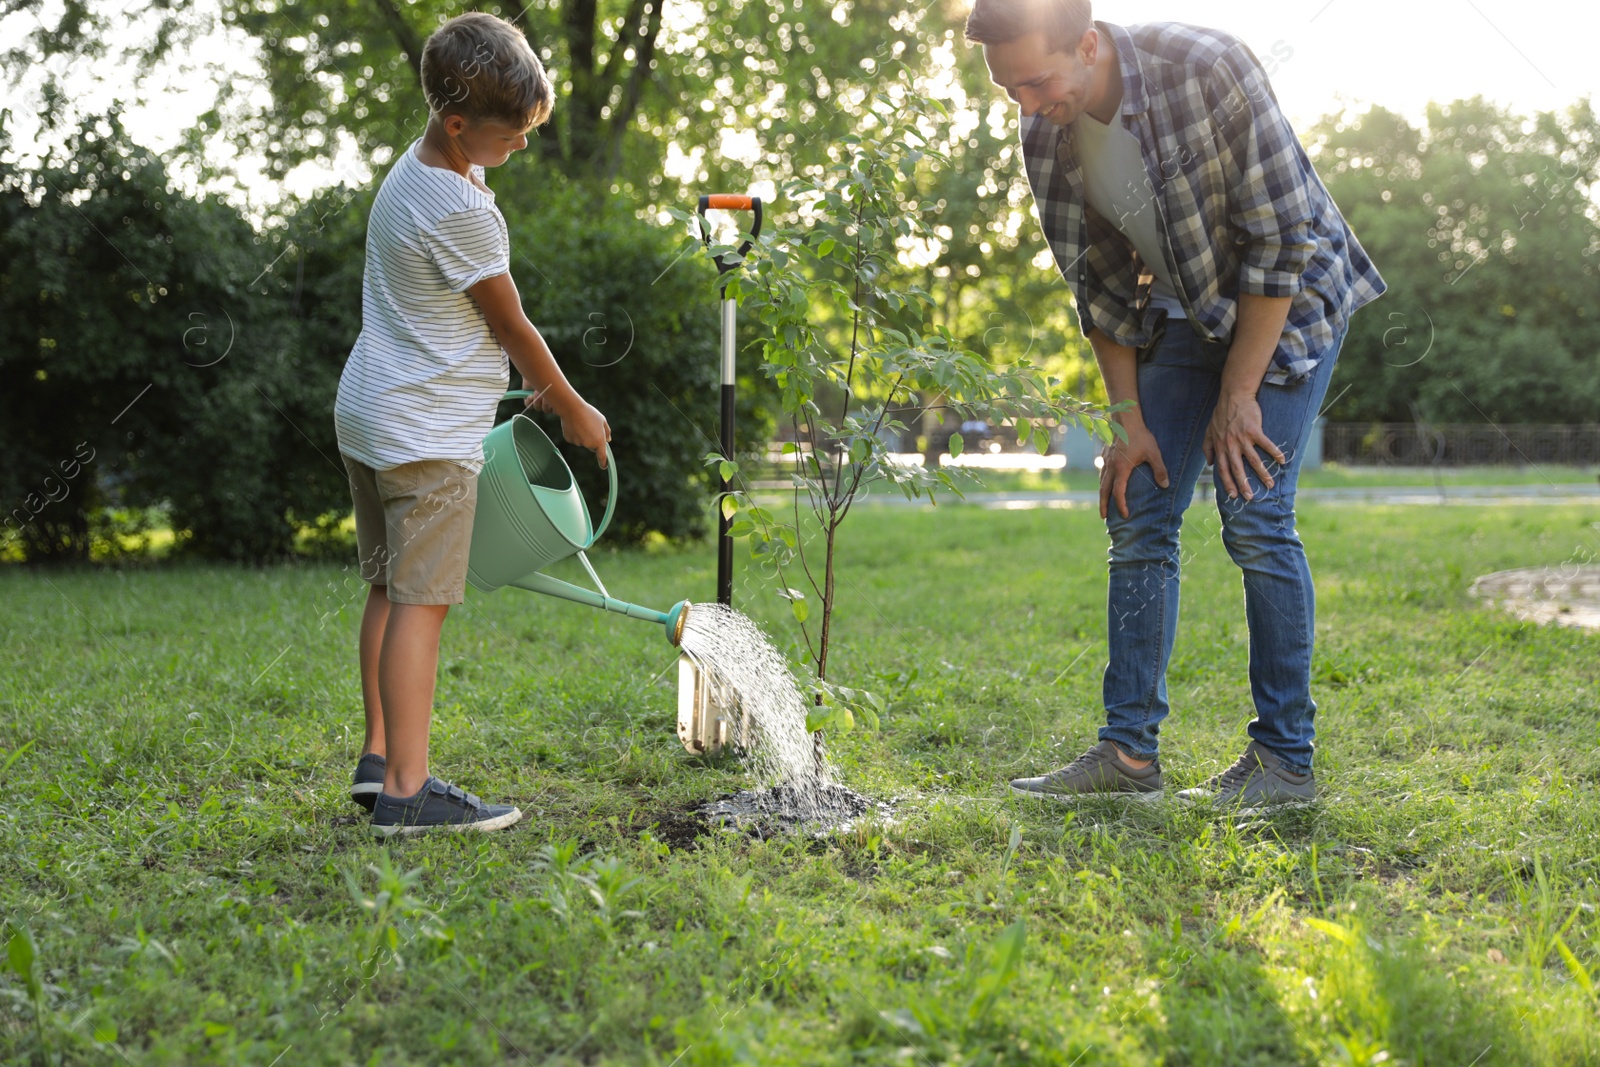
x=817 y=745
x=404 y=36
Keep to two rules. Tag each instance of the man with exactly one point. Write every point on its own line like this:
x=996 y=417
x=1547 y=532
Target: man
x=1215 y=280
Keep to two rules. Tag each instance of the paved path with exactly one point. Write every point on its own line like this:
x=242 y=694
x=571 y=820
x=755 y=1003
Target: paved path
x=1402 y=496
x=1568 y=594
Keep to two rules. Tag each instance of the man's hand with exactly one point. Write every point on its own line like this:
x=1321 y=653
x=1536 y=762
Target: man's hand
x=1235 y=430
x=583 y=425
x=1120 y=461
x=1231 y=441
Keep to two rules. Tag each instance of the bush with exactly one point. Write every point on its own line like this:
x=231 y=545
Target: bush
x=155 y=350
x=170 y=352
x=158 y=351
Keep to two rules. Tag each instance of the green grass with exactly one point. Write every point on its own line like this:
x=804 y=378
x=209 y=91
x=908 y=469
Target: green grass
x=174 y=833
x=1329 y=476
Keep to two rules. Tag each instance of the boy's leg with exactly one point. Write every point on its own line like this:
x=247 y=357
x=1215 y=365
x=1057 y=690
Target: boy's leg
x=1280 y=601
x=407 y=670
x=373 y=620
x=429 y=507
x=372 y=541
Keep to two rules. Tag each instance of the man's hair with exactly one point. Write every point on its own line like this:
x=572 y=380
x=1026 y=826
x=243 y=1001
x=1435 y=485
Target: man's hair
x=481 y=68
x=1063 y=22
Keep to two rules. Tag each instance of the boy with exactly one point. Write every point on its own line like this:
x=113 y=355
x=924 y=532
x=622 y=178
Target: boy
x=440 y=316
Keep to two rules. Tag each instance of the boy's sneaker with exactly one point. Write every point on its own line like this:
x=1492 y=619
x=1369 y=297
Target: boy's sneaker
x=1099 y=772
x=438 y=806
x=368 y=781
x=1257 y=780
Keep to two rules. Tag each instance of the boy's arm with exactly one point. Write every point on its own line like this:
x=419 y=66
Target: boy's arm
x=581 y=424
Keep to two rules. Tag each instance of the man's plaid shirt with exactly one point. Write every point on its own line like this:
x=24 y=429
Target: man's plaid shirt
x=1239 y=208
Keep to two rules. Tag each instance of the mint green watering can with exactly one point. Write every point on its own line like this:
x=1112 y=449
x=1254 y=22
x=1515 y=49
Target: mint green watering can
x=530 y=514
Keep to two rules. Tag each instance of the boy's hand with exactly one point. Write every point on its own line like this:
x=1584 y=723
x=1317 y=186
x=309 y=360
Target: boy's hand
x=583 y=425
x=540 y=401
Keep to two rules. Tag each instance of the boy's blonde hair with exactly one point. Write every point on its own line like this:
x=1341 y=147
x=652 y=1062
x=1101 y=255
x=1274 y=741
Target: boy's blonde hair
x=481 y=68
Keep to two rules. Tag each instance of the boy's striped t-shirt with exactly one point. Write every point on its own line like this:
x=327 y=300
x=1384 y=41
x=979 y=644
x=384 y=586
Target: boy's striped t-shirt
x=426 y=371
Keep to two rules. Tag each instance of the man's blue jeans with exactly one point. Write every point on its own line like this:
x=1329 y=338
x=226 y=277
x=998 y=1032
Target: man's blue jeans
x=1179 y=380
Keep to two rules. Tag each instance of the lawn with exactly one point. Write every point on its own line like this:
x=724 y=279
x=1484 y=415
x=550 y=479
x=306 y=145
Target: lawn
x=1328 y=476
x=175 y=837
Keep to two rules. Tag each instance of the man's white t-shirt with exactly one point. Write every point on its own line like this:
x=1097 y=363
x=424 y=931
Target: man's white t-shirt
x=1116 y=186
x=426 y=371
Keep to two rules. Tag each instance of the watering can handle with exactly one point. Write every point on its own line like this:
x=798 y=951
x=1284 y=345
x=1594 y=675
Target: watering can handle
x=611 y=498
x=611 y=472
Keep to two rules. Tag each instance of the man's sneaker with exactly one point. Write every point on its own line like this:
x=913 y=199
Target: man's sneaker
x=1099 y=772
x=438 y=806
x=1257 y=780
x=368 y=782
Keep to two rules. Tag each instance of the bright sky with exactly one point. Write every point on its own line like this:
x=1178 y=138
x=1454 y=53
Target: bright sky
x=1531 y=55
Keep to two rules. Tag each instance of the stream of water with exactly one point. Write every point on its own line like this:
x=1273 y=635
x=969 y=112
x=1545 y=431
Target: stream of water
x=795 y=781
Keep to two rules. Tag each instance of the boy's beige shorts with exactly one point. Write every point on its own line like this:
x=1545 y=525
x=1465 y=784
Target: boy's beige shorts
x=414 y=528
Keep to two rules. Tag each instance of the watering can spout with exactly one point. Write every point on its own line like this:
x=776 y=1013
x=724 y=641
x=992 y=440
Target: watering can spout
x=672 y=620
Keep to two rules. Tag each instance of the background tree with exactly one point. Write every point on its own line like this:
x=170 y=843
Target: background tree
x=188 y=354
x=630 y=83
x=1484 y=225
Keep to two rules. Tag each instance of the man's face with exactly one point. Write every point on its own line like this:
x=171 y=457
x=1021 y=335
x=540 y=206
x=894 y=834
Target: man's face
x=1054 y=85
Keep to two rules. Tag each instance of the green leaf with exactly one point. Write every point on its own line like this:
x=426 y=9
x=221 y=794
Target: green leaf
x=741 y=528
x=1334 y=930
x=1024 y=428
x=826 y=247
x=801 y=609
x=859 y=450
x=727 y=469
x=20 y=951
x=956 y=445
x=1003 y=964
x=1580 y=974
x=18 y=754
x=730 y=506
x=23 y=956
